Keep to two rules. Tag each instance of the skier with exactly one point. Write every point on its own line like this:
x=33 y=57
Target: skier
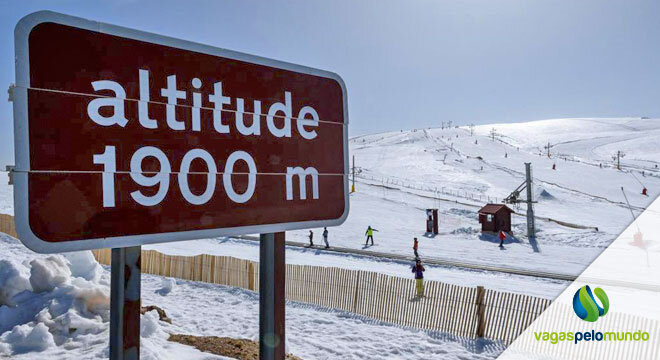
x=554 y=166
x=502 y=236
x=418 y=270
x=325 y=237
x=415 y=246
x=311 y=236
x=370 y=235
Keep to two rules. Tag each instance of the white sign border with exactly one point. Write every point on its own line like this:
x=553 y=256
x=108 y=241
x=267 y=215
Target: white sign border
x=22 y=145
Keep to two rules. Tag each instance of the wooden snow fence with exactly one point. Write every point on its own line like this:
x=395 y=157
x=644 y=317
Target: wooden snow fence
x=7 y=225
x=468 y=312
x=459 y=310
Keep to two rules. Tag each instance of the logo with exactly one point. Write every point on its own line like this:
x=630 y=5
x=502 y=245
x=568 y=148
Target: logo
x=587 y=309
x=585 y=305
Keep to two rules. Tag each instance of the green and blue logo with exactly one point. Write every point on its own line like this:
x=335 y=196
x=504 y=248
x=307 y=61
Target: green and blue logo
x=585 y=305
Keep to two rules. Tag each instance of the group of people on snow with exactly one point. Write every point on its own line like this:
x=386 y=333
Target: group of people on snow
x=369 y=234
x=417 y=269
x=325 y=238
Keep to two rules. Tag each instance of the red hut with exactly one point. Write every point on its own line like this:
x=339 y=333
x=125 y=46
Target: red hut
x=495 y=218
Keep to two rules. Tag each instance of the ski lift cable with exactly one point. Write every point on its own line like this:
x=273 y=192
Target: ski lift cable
x=630 y=208
x=633 y=175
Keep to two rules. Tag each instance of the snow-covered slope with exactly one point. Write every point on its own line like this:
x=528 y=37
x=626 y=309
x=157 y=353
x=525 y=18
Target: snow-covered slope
x=57 y=307
x=580 y=192
x=593 y=139
x=400 y=175
x=404 y=172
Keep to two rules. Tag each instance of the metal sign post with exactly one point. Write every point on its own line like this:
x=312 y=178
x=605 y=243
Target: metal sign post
x=272 y=271
x=125 y=303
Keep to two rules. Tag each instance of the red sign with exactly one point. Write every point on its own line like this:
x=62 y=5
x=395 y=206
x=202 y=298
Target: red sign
x=126 y=138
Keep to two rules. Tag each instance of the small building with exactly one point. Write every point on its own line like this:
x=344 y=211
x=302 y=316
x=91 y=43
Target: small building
x=495 y=218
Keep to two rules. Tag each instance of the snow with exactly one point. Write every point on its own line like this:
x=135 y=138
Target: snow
x=59 y=307
x=6 y=195
x=83 y=264
x=26 y=338
x=312 y=332
x=70 y=319
x=167 y=285
x=578 y=191
x=54 y=308
x=249 y=250
x=49 y=273
x=401 y=174
x=593 y=139
x=12 y=281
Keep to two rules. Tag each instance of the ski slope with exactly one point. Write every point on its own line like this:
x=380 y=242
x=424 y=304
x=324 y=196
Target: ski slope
x=397 y=169
x=394 y=166
x=592 y=140
x=400 y=175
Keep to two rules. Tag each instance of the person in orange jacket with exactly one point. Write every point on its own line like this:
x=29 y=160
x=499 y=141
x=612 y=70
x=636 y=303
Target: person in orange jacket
x=415 y=247
x=502 y=236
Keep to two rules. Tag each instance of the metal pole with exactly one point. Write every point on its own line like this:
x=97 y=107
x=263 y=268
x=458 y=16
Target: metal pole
x=353 y=187
x=125 y=303
x=272 y=271
x=530 y=209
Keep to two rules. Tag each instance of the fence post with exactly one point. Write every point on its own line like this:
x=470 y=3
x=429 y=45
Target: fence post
x=355 y=298
x=481 y=312
x=251 y=275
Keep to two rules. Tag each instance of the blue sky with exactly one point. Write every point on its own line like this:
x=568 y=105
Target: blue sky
x=414 y=63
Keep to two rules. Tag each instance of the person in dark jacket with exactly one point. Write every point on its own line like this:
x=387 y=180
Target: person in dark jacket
x=325 y=237
x=311 y=237
x=415 y=247
x=418 y=270
x=370 y=235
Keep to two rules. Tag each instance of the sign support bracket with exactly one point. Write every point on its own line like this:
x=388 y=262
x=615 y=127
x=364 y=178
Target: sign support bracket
x=125 y=303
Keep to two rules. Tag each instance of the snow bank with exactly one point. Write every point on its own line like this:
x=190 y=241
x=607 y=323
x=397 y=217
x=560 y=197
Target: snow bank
x=51 y=301
x=151 y=336
x=12 y=282
x=167 y=285
x=83 y=264
x=49 y=273
x=59 y=306
x=26 y=338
